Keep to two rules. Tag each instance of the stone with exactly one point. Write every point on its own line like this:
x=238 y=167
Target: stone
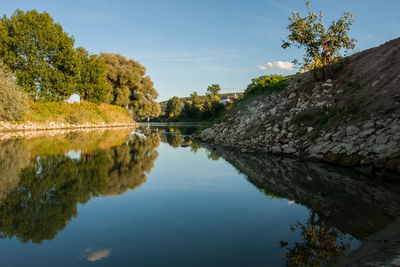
x=273 y=111
x=276 y=149
x=366 y=132
x=310 y=129
x=326 y=85
x=351 y=130
x=381 y=139
x=287 y=150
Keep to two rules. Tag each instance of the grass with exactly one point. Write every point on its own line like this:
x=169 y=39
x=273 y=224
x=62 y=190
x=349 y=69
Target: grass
x=75 y=113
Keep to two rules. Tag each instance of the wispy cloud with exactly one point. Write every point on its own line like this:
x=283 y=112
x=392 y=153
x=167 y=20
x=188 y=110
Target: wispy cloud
x=369 y=36
x=196 y=59
x=97 y=254
x=277 y=65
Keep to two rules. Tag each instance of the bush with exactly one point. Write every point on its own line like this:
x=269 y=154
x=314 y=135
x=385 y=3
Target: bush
x=13 y=102
x=266 y=84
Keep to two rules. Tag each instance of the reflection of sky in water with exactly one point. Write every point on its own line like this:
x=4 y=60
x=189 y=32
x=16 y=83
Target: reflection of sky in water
x=74 y=154
x=92 y=254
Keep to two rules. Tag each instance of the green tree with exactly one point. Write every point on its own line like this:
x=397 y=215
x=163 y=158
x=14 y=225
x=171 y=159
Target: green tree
x=322 y=46
x=213 y=91
x=174 y=106
x=130 y=88
x=13 y=102
x=40 y=53
x=92 y=84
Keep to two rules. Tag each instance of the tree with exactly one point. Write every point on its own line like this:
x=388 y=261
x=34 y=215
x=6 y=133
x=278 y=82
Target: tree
x=174 y=106
x=130 y=88
x=13 y=102
x=322 y=46
x=92 y=83
x=40 y=53
x=213 y=91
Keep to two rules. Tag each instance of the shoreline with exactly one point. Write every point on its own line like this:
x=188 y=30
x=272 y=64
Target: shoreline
x=7 y=127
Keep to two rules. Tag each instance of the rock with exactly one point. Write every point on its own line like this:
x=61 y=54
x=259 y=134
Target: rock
x=276 y=149
x=366 y=132
x=351 y=130
x=273 y=111
x=326 y=85
x=310 y=129
x=287 y=150
x=381 y=139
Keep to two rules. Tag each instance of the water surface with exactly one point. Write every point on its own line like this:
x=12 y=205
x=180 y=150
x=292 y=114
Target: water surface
x=154 y=197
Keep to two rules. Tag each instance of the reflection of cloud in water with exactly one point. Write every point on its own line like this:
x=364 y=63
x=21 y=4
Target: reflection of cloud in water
x=97 y=254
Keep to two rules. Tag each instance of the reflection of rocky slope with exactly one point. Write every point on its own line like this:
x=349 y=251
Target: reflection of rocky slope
x=349 y=201
x=49 y=187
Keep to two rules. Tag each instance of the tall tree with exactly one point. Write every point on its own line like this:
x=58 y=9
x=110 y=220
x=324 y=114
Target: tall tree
x=40 y=53
x=174 y=107
x=213 y=91
x=322 y=46
x=130 y=87
x=92 y=83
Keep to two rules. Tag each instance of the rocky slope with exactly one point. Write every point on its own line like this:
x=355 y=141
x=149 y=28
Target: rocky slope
x=351 y=119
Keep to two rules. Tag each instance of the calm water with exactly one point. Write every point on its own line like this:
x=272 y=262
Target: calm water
x=154 y=197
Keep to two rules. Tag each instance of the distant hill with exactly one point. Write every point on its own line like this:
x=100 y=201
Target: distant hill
x=163 y=104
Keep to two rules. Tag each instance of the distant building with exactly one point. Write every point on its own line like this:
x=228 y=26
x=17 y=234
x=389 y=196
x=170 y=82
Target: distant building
x=226 y=100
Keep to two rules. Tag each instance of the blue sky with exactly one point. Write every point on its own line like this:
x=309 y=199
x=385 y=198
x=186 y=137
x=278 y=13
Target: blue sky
x=188 y=45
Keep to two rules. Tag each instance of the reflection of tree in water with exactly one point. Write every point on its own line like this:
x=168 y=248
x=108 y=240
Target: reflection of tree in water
x=13 y=157
x=131 y=162
x=320 y=244
x=50 y=188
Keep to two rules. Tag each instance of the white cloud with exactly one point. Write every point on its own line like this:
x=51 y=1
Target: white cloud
x=277 y=65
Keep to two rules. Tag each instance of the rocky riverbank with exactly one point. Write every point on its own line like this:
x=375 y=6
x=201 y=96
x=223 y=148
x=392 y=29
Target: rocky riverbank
x=352 y=119
x=6 y=127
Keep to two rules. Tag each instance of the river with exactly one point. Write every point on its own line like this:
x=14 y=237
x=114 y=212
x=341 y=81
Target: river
x=152 y=196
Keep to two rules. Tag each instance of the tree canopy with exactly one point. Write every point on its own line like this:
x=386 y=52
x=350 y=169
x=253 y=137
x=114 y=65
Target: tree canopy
x=130 y=87
x=92 y=83
x=40 y=53
x=322 y=46
x=213 y=91
x=174 y=107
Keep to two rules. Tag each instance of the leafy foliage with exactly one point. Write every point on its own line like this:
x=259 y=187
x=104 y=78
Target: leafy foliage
x=92 y=85
x=40 y=53
x=12 y=100
x=322 y=45
x=130 y=88
x=266 y=84
x=174 y=107
x=213 y=91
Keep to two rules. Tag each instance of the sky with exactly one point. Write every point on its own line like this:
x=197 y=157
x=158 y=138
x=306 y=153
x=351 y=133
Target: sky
x=187 y=45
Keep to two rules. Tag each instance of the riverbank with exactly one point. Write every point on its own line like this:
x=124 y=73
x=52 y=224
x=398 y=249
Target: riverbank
x=9 y=127
x=352 y=119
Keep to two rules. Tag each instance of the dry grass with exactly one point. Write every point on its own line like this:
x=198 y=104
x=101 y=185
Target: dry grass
x=76 y=113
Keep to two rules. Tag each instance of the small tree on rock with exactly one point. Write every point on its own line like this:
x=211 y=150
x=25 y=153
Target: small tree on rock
x=322 y=46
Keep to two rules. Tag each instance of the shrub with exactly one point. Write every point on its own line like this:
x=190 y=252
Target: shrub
x=13 y=102
x=266 y=84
